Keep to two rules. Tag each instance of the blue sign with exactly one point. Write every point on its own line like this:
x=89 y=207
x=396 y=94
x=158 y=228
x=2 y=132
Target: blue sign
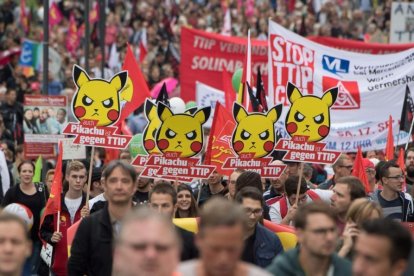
x=335 y=65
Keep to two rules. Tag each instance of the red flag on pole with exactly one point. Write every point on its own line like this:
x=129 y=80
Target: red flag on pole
x=218 y=148
x=401 y=164
x=359 y=171
x=72 y=40
x=94 y=13
x=53 y=204
x=389 y=148
x=229 y=93
x=55 y=16
x=24 y=19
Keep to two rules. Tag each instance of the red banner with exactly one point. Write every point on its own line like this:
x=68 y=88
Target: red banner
x=205 y=55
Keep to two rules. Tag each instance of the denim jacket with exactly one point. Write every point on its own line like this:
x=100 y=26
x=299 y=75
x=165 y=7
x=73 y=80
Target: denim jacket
x=267 y=246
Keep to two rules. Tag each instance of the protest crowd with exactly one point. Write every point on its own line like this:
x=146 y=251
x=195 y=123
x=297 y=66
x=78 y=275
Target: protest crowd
x=102 y=215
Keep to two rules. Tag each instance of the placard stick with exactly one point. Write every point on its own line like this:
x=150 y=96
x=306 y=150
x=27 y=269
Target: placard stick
x=58 y=221
x=88 y=191
x=299 y=182
x=199 y=191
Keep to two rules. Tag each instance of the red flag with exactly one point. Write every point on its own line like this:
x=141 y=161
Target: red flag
x=136 y=90
x=55 y=16
x=229 y=93
x=72 y=40
x=143 y=46
x=389 y=148
x=218 y=149
x=71 y=232
x=53 y=204
x=24 y=19
x=401 y=164
x=94 y=13
x=359 y=171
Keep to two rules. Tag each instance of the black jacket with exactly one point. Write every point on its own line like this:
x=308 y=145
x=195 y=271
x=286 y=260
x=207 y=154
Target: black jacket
x=91 y=252
x=189 y=251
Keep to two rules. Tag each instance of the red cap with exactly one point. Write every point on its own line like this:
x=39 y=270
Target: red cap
x=367 y=164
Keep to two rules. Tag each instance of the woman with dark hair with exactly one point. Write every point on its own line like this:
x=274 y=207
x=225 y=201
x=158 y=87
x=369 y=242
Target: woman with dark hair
x=28 y=126
x=186 y=204
x=34 y=196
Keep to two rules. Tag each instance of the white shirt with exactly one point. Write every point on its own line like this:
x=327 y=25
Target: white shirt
x=97 y=198
x=73 y=205
x=274 y=209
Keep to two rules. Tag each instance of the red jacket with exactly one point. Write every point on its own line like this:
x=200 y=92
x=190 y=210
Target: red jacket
x=60 y=249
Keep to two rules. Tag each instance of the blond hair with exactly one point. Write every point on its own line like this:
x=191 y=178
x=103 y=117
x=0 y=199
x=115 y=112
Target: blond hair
x=361 y=210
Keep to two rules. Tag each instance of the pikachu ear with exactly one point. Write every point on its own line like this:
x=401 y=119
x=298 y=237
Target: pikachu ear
x=127 y=92
x=150 y=109
x=293 y=92
x=119 y=80
x=163 y=111
x=191 y=110
x=203 y=114
x=80 y=77
x=329 y=96
x=239 y=112
x=274 y=113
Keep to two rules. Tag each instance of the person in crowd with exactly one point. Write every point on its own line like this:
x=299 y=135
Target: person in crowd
x=99 y=201
x=125 y=155
x=220 y=240
x=186 y=203
x=148 y=244
x=292 y=168
x=382 y=248
x=143 y=189
x=15 y=245
x=277 y=186
x=34 y=197
x=409 y=167
x=346 y=190
x=232 y=183
x=91 y=251
x=12 y=112
x=307 y=174
x=260 y=245
x=72 y=209
x=50 y=174
x=283 y=211
x=163 y=199
x=18 y=158
x=317 y=235
x=361 y=209
x=252 y=179
x=96 y=185
x=214 y=187
x=395 y=203
x=5 y=179
x=342 y=167
x=28 y=126
x=370 y=172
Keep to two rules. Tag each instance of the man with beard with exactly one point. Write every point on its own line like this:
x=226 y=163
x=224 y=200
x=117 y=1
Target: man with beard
x=409 y=167
x=317 y=235
x=143 y=189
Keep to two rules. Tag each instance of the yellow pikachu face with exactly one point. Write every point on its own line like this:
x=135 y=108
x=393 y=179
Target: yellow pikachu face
x=97 y=99
x=150 y=131
x=255 y=132
x=182 y=133
x=309 y=115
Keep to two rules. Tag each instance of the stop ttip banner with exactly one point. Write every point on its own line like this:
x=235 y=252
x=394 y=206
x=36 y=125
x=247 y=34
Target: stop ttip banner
x=370 y=89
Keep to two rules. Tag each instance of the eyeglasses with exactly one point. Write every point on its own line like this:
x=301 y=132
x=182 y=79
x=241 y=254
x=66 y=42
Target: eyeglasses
x=396 y=177
x=323 y=231
x=159 y=247
x=256 y=212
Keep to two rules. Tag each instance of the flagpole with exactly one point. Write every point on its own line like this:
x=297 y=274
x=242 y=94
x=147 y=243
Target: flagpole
x=45 y=46
x=58 y=222
x=409 y=135
x=88 y=191
x=87 y=32
x=102 y=30
x=299 y=183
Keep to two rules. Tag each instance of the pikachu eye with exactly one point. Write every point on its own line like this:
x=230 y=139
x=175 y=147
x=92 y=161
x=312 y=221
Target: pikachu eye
x=170 y=134
x=154 y=132
x=191 y=135
x=299 y=117
x=245 y=135
x=87 y=101
x=264 y=135
x=318 y=119
x=108 y=103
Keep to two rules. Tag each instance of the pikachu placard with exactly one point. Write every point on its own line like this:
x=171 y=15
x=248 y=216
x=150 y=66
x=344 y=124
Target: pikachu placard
x=97 y=106
x=173 y=141
x=253 y=140
x=308 y=122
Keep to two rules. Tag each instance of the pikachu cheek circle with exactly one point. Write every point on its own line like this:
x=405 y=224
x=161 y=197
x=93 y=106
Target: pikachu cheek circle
x=255 y=132
x=183 y=132
x=309 y=115
x=97 y=99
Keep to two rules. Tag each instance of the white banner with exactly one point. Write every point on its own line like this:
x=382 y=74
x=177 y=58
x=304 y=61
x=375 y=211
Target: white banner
x=208 y=96
x=371 y=88
x=402 y=22
x=72 y=151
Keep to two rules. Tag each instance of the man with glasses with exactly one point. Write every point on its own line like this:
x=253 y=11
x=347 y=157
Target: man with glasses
x=317 y=235
x=260 y=244
x=148 y=244
x=284 y=210
x=395 y=204
x=342 y=167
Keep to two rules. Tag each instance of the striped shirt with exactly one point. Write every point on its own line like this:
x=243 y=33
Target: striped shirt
x=391 y=209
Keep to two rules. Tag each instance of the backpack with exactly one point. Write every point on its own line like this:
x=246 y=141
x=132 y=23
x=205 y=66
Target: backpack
x=284 y=206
